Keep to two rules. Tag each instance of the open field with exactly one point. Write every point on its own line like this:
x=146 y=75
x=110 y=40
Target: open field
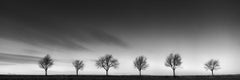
x=98 y=77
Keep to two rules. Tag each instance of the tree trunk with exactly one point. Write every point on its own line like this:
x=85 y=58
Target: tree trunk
x=173 y=72
x=106 y=72
x=77 y=72
x=140 y=73
x=212 y=73
x=45 y=72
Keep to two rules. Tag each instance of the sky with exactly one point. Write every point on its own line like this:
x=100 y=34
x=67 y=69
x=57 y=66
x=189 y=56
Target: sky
x=86 y=30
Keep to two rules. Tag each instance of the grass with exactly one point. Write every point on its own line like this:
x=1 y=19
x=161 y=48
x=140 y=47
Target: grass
x=130 y=77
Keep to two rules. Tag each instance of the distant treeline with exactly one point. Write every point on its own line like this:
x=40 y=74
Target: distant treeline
x=140 y=63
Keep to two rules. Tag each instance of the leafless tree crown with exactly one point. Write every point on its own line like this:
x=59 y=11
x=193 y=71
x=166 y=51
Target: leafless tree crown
x=141 y=63
x=107 y=62
x=78 y=64
x=212 y=65
x=46 y=62
x=173 y=61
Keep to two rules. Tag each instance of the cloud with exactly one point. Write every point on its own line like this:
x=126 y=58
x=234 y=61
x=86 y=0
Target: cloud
x=4 y=63
x=30 y=51
x=42 y=37
x=50 y=28
x=16 y=59
x=107 y=38
x=60 y=37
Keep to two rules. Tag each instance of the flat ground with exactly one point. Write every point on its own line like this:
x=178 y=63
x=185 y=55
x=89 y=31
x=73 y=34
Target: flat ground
x=99 y=77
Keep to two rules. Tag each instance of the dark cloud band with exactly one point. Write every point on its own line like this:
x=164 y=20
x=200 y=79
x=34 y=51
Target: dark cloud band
x=16 y=59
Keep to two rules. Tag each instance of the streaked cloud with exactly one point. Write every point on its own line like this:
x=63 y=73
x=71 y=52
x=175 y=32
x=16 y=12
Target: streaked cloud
x=60 y=37
x=8 y=58
x=106 y=38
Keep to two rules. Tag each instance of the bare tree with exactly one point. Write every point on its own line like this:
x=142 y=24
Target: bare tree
x=106 y=62
x=212 y=65
x=173 y=61
x=140 y=63
x=46 y=63
x=78 y=64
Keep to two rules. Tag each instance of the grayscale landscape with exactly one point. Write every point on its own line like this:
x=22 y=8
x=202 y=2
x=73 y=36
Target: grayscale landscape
x=119 y=40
